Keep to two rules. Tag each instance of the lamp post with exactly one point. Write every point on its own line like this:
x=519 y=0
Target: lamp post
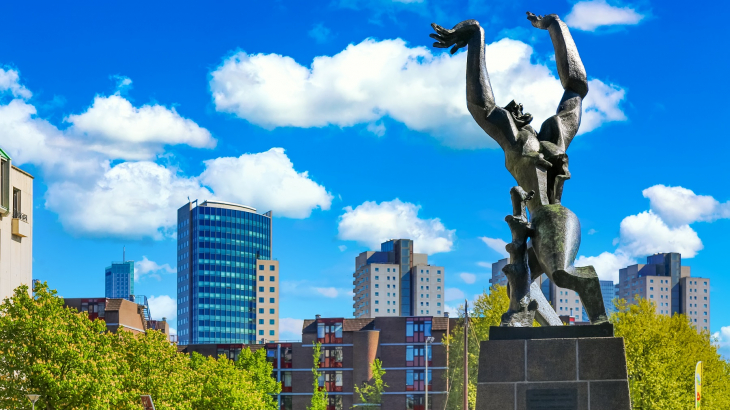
x=33 y=398
x=429 y=339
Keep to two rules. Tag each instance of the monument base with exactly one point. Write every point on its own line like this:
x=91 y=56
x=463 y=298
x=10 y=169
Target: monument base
x=578 y=373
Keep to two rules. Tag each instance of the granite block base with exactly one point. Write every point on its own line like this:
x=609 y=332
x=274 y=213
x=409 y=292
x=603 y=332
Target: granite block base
x=587 y=373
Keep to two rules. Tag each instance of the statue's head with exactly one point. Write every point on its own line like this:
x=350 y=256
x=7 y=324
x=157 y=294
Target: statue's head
x=521 y=119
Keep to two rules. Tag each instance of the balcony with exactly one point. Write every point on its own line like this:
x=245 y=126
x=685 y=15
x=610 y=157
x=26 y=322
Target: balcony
x=20 y=224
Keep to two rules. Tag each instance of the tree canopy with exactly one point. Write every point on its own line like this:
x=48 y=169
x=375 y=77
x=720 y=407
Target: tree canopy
x=72 y=362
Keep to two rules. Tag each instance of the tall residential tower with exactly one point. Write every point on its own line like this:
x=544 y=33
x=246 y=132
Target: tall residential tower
x=119 y=280
x=227 y=283
x=397 y=282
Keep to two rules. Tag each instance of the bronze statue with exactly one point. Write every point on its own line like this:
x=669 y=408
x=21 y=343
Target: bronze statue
x=539 y=163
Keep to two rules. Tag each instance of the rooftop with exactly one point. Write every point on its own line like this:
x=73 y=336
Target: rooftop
x=220 y=204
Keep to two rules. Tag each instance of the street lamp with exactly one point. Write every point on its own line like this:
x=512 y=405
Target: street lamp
x=429 y=339
x=33 y=398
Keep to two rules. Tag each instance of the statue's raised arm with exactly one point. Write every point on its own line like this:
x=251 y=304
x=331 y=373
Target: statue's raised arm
x=562 y=127
x=494 y=120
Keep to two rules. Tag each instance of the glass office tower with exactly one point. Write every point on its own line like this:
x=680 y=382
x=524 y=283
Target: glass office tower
x=119 y=280
x=218 y=245
x=400 y=252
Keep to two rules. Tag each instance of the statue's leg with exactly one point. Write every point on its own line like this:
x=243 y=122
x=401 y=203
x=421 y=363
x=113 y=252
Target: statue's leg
x=585 y=281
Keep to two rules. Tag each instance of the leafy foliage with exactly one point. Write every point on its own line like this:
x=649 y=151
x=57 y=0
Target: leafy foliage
x=487 y=311
x=319 y=397
x=74 y=363
x=661 y=354
x=372 y=391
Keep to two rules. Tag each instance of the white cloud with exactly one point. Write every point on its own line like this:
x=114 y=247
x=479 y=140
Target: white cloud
x=723 y=341
x=452 y=311
x=468 y=277
x=342 y=248
x=151 y=268
x=117 y=129
x=592 y=14
x=132 y=199
x=373 y=79
x=665 y=227
x=10 y=81
x=329 y=292
x=320 y=33
x=496 y=245
x=371 y=224
x=592 y=231
x=290 y=328
x=483 y=264
x=680 y=206
x=607 y=264
x=163 y=306
x=454 y=294
x=267 y=181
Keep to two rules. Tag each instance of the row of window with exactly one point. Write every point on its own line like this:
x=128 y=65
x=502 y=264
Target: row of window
x=334 y=402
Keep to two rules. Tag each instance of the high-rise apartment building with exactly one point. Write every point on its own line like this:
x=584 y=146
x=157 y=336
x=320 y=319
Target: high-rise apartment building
x=397 y=282
x=221 y=245
x=119 y=280
x=669 y=285
x=16 y=227
x=498 y=276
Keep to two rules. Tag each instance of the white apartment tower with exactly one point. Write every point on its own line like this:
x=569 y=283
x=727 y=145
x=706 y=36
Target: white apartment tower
x=16 y=227
x=397 y=282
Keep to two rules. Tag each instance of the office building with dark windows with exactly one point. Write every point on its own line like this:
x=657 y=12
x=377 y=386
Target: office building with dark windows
x=348 y=348
x=397 y=282
x=669 y=286
x=119 y=280
x=221 y=249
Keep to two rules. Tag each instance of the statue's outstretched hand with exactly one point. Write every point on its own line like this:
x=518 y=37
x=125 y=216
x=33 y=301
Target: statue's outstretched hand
x=542 y=22
x=457 y=37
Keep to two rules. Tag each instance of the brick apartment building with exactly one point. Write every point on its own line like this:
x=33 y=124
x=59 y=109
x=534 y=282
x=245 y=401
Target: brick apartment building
x=118 y=314
x=349 y=346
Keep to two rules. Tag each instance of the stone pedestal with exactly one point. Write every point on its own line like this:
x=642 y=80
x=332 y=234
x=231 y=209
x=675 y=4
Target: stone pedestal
x=536 y=370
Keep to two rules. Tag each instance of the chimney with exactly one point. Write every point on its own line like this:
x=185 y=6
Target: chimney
x=317 y=317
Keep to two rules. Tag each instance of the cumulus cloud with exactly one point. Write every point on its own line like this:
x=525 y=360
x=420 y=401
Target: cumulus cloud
x=150 y=268
x=290 y=328
x=329 y=292
x=10 y=82
x=454 y=294
x=592 y=14
x=131 y=199
x=374 y=79
x=665 y=227
x=496 y=245
x=268 y=181
x=722 y=339
x=680 y=206
x=163 y=306
x=116 y=128
x=371 y=224
x=468 y=277
x=135 y=198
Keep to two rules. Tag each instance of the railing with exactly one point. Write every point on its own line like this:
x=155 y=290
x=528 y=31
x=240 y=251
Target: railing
x=19 y=215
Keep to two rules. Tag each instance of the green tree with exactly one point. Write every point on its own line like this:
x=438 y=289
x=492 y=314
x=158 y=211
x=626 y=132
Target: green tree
x=319 y=396
x=260 y=371
x=53 y=351
x=371 y=391
x=486 y=312
x=661 y=353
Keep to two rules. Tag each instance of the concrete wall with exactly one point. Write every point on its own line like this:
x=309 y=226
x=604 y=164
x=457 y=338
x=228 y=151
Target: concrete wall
x=16 y=253
x=267 y=294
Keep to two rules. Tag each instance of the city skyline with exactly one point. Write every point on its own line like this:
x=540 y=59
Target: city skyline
x=120 y=121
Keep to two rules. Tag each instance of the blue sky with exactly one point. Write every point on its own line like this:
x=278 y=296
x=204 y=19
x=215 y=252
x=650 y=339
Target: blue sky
x=341 y=118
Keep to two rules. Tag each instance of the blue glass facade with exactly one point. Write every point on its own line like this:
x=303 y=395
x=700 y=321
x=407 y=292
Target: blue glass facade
x=401 y=253
x=119 y=280
x=608 y=290
x=218 y=245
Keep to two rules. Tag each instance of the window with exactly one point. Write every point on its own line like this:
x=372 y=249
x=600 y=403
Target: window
x=333 y=381
x=271 y=311
x=261 y=332
x=334 y=402
x=271 y=321
x=261 y=310
x=261 y=278
x=377 y=293
x=261 y=288
x=415 y=356
x=329 y=331
x=271 y=300
x=271 y=333
x=272 y=278
x=376 y=310
x=377 y=278
x=377 y=286
x=272 y=289
x=377 y=302
x=417 y=329
x=261 y=267
x=377 y=269
x=331 y=357
x=17 y=209
x=438 y=279
x=261 y=321
x=286 y=387
x=416 y=380
x=261 y=300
